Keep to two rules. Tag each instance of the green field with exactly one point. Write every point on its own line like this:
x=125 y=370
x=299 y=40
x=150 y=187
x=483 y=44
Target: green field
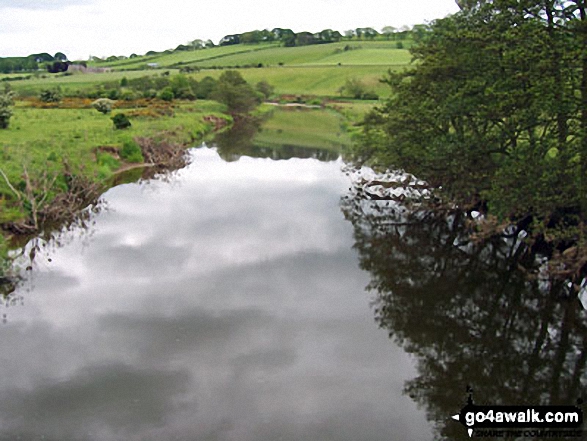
x=381 y=53
x=40 y=139
x=182 y=57
x=307 y=70
x=318 y=80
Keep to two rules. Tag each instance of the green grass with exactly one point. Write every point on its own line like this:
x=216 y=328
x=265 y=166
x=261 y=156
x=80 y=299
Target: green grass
x=311 y=128
x=379 y=52
x=308 y=70
x=78 y=81
x=184 y=57
x=318 y=80
x=42 y=138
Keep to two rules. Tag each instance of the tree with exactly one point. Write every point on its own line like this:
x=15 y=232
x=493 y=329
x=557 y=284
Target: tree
x=103 y=105
x=232 y=90
x=50 y=95
x=6 y=105
x=305 y=38
x=495 y=111
x=121 y=121
x=388 y=31
x=228 y=40
x=60 y=56
x=205 y=88
x=265 y=88
x=196 y=44
x=57 y=67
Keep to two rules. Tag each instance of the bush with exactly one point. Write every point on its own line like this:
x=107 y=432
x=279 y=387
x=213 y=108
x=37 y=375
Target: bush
x=370 y=96
x=50 y=96
x=166 y=94
x=265 y=88
x=205 y=87
x=103 y=105
x=121 y=121
x=233 y=91
x=131 y=152
x=128 y=95
x=6 y=103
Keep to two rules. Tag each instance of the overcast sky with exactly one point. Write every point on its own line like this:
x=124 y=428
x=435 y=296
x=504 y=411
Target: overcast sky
x=81 y=28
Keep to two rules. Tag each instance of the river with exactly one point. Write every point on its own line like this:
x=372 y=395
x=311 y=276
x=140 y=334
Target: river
x=228 y=301
x=221 y=303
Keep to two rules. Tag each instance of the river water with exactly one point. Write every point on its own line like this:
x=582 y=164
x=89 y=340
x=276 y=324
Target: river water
x=228 y=301
x=224 y=302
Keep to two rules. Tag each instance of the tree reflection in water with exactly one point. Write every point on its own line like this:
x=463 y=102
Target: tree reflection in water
x=240 y=141
x=468 y=312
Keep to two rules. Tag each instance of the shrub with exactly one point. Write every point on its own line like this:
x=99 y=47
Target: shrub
x=128 y=95
x=50 y=96
x=131 y=152
x=233 y=91
x=265 y=88
x=103 y=105
x=370 y=96
x=6 y=103
x=166 y=94
x=121 y=121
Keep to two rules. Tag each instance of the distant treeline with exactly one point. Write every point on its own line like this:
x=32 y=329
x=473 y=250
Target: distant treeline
x=290 y=38
x=286 y=37
x=52 y=63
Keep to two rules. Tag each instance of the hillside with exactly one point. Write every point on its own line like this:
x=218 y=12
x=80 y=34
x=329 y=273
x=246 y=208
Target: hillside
x=383 y=53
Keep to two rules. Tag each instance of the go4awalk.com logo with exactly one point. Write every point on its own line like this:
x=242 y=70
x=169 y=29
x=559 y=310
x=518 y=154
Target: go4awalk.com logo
x=517 y=421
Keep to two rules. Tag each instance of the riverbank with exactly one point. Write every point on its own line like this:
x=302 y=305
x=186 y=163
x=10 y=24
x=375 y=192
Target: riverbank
x=57 y=158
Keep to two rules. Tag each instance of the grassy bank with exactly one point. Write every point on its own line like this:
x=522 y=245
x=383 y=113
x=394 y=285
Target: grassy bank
x=42 y=146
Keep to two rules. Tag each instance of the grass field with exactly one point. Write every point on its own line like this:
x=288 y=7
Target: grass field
x=360 y=53
x=302 y=80
x=78 y=81
x=308 y=70
x=41 y=139
x=318 y=80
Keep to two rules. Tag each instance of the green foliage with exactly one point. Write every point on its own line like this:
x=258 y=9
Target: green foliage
x=6 y=105
x=183 y=87
x=121 y=121
x=50 y=95
x=166 y=94
x=233 y=91
x=265 y=88
x=493 y=110
x=131 y=152
x=103 y=105
x=205 y=88
x=357 y=89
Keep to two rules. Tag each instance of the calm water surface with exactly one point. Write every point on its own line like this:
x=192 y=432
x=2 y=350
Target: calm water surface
x=223 y=303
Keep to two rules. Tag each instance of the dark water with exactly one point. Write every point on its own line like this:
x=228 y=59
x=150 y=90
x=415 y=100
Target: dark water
x=227 y=302
x=223 y=303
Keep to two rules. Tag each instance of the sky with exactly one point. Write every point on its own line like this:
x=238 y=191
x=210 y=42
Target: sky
x=84 y=28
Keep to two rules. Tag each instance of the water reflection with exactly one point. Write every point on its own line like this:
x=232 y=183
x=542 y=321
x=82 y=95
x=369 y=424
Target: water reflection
x=468 y=312
x=221 y=304
x=240 y=141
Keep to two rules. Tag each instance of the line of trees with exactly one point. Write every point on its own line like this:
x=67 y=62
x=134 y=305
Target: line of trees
x=31 y=63
x=289 y=38
x=494 y=111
